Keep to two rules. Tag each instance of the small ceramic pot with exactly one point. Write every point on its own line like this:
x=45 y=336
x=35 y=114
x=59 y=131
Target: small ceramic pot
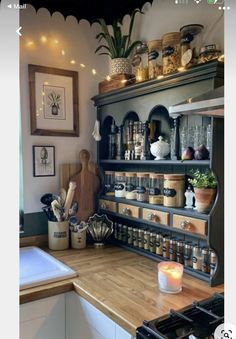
x=160 y=149
x=204 y=199
x=120 y=66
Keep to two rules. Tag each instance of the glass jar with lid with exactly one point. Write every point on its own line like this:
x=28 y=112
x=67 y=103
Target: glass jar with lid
x=141 y=60
x=142 y=186
x=171 y=52
x=209 y=52
x=156 y=188
x=130 y=187
x=190 y=44
x=120 y=182
x=110 y=183
x=154 y=57
x=174 y=188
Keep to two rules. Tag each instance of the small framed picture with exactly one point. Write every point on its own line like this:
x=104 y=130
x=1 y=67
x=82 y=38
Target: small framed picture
x=43 y=161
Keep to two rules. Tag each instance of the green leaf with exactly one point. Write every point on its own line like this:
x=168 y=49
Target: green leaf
x=131 y=47
x=101 y=46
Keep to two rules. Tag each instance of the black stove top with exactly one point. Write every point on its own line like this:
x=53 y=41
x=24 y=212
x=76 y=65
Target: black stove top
x=198 y=320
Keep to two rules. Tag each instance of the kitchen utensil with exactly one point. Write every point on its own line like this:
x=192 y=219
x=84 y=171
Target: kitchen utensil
x=69 y=198
x=62 y=195
x=47 y=199
x=100 y=228
x=57 y=210
x=74 y=208
x=49 y=213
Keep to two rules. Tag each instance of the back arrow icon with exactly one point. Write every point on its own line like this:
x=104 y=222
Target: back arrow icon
x=18 y=31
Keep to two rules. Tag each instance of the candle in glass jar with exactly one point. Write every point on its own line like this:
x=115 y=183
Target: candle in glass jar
x=170 y=277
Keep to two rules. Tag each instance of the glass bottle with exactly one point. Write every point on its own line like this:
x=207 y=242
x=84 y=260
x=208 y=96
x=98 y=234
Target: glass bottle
x=112 y=141
x=209 y=138
x=119 y=144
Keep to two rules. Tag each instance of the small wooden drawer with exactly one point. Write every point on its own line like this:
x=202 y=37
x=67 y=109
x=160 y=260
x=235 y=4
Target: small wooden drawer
x=156 y=216
x=108 y=205
x=192 y=225
x=129 y=210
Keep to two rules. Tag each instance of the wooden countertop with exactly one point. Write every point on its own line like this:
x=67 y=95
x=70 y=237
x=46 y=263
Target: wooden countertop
x=121 y=284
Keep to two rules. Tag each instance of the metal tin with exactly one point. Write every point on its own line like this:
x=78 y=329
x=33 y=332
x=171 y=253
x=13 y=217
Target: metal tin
x=152 y=243
x=173 y=245
x=197 y=257
x=213 y=262
x=135 y=237
x=124 y=234
x=130 y=236
x=140 y=238
x=119 y=232
x=180 y=251
x=188 y=249
x=166 y=246
x=146 y=240
x=205 y=256
x=159 y=244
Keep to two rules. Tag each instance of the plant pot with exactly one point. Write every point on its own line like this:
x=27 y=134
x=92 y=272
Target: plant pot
x=120 y=66
x=204 y=199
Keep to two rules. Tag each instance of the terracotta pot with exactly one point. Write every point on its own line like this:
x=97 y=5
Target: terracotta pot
x=121 y=66
x=204 y=199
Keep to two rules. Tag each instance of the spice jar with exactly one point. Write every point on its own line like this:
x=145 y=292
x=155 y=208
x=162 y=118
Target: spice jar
x=174 y=186
x=188 y=248
x=119 y=232
x=120 y=184
x=146 y=240
x=180 y=251
x=159 y=244
x=197 y=257
x=171 y=52
x=152 y=243
x=213 y=262
x=130 y=236
x=141 y=238
x=115 y=230
x=142 y=188
x=124 y=234
x=173 y=249
x=166 y=246
x=156 y=188
x=205 y=255
x=135 y=237
x=130 y=187
x=109 y=183
x=154 y=56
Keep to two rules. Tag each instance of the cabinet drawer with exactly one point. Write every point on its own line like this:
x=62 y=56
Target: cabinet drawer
x=108 y=205
x=129 y=210
x=193 y=225
x=156 y=216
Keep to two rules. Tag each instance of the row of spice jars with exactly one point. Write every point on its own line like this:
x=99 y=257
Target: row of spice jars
x=184 y=252
x=155 y=188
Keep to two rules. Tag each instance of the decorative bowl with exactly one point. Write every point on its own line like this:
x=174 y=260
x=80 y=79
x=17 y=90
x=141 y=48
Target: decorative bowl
x=100 y=228
x=160 y=149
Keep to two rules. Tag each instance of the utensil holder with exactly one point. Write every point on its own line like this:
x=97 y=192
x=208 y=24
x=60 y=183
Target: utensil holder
x=58 y=235
x=78 y=240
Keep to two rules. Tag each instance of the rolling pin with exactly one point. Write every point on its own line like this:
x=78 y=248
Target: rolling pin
x=69 y=198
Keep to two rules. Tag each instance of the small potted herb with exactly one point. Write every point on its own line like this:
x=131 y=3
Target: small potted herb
x=205 y=185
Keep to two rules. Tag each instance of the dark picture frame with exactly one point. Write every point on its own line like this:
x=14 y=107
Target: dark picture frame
x=43 y=161
x=54 y=103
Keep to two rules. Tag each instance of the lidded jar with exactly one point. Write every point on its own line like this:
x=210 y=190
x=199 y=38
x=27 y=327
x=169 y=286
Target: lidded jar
x=174 y=187
x=190 y=44
x=171 y=52
x=142 y=186
x=156 y=188
x=109 y=183
x=120 y=182
x=141 y=62
x=154 y=57
x=130 y=185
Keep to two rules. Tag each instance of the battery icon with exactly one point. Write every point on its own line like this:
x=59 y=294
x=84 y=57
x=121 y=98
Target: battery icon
x=215 y=2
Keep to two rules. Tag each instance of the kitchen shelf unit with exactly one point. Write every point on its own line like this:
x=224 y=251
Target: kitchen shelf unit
x=150 y=101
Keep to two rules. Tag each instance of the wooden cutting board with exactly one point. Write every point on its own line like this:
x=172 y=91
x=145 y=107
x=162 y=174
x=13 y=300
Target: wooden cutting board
x=86 y=176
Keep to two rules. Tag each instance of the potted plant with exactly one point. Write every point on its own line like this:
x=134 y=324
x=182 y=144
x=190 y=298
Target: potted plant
x=204 y=184
x=118 y=46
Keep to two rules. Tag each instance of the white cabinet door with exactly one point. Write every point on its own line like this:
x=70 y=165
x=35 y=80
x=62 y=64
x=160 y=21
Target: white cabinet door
x=83 y=320
x=43 y=319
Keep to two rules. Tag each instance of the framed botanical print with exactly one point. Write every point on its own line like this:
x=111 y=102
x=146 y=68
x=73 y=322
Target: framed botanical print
x=53 y=101
x=43 y=161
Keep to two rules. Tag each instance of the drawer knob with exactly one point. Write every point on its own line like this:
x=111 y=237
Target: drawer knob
x=152 y=216
x=103 y=206
x=126 y=211
x=185 y=225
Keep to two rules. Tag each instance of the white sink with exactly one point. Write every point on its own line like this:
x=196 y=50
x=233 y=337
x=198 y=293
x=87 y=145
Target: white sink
x=38 y=268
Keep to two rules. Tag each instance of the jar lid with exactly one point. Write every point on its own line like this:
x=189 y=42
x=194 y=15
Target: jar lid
x=174 y=176
x=142 y=174
x=130 y=174
x=156 y=175
x=171 y=38
x=154 y=45
x=109 y=172
x=120 y=174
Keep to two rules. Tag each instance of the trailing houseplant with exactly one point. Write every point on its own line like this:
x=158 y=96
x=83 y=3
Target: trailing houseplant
x=117 y=46
x=205 y=185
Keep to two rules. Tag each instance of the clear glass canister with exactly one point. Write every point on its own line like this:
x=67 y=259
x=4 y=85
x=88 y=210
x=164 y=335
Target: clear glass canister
x=143 y=186
x=142 y=68
x=174 y=188
x=130 y=185
x=154 y=57
x=156 y=181
x=190 y=44
x=171 y=52
x=109 y=183
x=120 y=182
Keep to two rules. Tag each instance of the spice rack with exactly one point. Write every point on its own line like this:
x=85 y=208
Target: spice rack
x=150 y=101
